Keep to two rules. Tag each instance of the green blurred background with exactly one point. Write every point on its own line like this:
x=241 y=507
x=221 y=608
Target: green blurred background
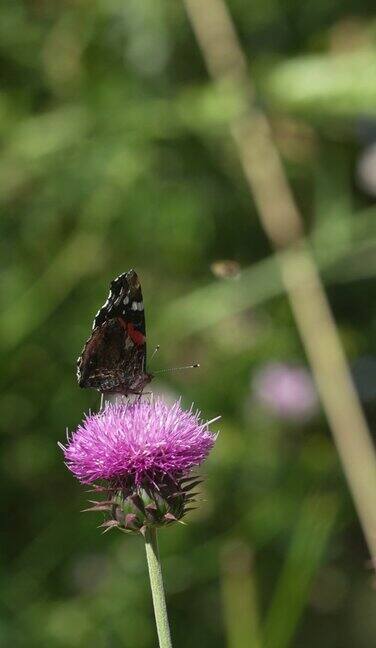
x=115 y=154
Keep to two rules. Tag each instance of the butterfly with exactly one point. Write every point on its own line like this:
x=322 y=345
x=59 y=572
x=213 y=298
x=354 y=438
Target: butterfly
x=113 y=359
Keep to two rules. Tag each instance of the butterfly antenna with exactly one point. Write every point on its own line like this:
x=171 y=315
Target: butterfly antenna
x=154 y=352
x=191 y=366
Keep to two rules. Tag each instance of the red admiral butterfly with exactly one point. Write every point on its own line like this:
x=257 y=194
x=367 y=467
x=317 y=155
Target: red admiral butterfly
x=114 y=357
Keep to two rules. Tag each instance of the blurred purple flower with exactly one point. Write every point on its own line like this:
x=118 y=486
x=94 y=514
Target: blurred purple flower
x=141 y=441
x=286 y=391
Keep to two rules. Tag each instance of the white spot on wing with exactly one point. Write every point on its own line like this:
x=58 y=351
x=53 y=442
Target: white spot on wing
x=134 y=306
x=140 y=306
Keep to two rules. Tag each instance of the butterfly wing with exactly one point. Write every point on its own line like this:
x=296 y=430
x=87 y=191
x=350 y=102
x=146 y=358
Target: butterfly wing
x=124 y=300
x=114 y=357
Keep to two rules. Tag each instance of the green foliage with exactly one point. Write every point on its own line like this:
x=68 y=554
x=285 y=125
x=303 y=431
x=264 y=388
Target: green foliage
x=115 y=154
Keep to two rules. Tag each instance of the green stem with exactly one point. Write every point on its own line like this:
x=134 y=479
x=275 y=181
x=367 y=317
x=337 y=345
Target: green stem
x=157 y=590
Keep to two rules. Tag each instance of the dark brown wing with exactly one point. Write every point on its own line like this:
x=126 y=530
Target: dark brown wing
x=114 y=357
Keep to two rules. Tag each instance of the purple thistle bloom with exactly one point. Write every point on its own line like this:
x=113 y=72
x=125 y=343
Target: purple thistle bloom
x=141 y=442
x=287 y=391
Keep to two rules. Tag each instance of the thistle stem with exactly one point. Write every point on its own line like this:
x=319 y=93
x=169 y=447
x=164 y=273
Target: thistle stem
x=157 y=589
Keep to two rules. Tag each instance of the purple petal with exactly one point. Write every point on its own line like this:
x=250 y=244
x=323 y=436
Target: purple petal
x=138 y=440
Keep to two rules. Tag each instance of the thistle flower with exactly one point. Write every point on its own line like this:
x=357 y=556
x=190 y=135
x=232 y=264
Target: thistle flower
x=286 y=391
x=142 y=454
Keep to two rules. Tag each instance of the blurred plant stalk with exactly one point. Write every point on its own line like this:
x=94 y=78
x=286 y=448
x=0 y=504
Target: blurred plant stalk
x=215 y=32
x=309 y=540
x=239 y=598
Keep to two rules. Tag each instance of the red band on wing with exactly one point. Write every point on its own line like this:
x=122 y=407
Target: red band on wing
x=137 y=337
